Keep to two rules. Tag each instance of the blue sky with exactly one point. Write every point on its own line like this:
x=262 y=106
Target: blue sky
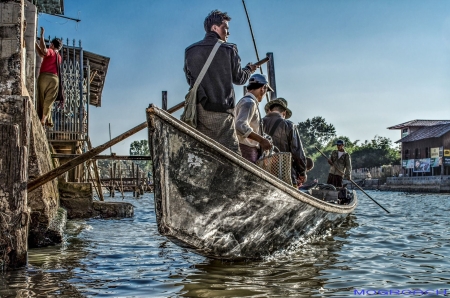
x=362 y=65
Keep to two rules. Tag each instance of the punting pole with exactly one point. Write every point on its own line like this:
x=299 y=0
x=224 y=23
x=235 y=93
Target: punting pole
x=354 y=183
x=110 y=148
x=254 y=42
x=32 y=185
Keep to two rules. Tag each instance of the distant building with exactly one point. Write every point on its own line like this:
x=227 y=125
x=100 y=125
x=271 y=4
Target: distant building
x=425 y=147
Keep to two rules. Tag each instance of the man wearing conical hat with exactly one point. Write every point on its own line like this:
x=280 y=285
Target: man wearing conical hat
x=286 y=138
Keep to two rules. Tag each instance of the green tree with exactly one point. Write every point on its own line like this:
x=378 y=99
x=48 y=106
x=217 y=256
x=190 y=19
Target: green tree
x=141 y=148
x=375 y=153
x=315 y=132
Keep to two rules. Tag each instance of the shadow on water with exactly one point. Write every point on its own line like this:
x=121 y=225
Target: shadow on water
x=127 y=257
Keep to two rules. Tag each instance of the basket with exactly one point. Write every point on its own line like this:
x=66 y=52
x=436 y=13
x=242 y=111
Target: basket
x=278 y=164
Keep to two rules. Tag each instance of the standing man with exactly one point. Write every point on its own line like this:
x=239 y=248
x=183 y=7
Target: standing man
x=48 y=82
x=341 y=165
x=248 y=120
x=285 y=137
x=215 y=95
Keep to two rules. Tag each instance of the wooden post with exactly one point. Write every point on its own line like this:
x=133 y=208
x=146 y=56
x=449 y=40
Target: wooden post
x=164 y=100
x=271 y=75
x=91 y=178
x=132 y=176
x=141 y=183
x=114 y=180
x=110 y=181
x=137 y=182
x=14 y=213
x=32 y=185
x=96 y=173
x=121 y=182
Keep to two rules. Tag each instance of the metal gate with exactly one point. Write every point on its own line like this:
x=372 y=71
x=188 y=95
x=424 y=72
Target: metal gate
x=71 y=122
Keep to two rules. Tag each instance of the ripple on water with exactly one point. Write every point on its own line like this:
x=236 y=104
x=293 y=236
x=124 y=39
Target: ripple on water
x=127 y=257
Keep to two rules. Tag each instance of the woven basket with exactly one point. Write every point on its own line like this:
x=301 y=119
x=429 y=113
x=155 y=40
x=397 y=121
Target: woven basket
x=278 y=164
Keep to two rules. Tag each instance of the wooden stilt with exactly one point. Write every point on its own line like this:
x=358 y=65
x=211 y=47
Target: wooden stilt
x=96 y=173
x=111 y=181
x=91 y=179
x=132 y=176
x=32 y=185
x=137 y=183
x=114 y=177
x=121 y=182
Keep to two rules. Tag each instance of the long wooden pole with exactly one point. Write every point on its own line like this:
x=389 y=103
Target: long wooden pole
x=354 y=183
x=96 y=173
x=101 y=156
x=32 y=185
x=254 y=42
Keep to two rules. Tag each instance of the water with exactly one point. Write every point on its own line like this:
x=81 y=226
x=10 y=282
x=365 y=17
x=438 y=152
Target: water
x=403 y=251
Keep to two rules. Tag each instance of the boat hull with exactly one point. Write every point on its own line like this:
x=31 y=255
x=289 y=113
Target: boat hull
x=218 y=204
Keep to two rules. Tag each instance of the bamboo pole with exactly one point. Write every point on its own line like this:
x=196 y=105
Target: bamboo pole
x=109 y=157
x=32 y=185
x=121 y=182
x=132 y=179
x=90 y=177
x=111 y=181
x=96 y=173
x=114 y=182
x=137 y=182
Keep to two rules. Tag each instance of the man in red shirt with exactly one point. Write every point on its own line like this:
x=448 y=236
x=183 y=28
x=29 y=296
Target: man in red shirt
x=48 y=82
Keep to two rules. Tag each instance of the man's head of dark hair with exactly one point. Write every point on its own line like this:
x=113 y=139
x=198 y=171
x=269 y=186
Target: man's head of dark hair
x=277 y=107
x=57 y=43
x=215 y=17
x=254 y=86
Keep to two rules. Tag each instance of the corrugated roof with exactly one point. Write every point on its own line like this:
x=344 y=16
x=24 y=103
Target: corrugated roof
x=427 y=132
x=418 y=122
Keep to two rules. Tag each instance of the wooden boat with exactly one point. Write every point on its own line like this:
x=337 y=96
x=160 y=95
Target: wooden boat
x=218 y=204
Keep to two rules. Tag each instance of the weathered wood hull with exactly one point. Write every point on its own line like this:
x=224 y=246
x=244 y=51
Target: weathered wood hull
x=218 y=204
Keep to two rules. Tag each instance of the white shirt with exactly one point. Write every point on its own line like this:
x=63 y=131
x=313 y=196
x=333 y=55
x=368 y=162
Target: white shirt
x=247 y=119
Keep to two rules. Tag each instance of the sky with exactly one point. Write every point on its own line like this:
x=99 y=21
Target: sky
x=363 y=65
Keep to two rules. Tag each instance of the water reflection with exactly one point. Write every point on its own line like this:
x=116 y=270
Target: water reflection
x=293 y=272
x=127 y=257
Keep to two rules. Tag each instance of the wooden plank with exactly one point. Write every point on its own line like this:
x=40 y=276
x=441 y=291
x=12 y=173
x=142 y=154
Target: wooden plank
x=32 y=185
x=271 y=75
x=96 y=173
x=109 y=157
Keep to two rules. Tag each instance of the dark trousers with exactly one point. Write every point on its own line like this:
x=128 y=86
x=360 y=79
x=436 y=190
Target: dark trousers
x=335 y=180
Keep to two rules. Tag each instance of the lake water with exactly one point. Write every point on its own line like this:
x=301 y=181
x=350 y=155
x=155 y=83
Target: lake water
x=371 y=253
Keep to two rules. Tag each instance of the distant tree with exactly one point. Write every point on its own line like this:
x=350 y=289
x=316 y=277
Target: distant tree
x=315 y=132
x=141 y=148
x=375 y=153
